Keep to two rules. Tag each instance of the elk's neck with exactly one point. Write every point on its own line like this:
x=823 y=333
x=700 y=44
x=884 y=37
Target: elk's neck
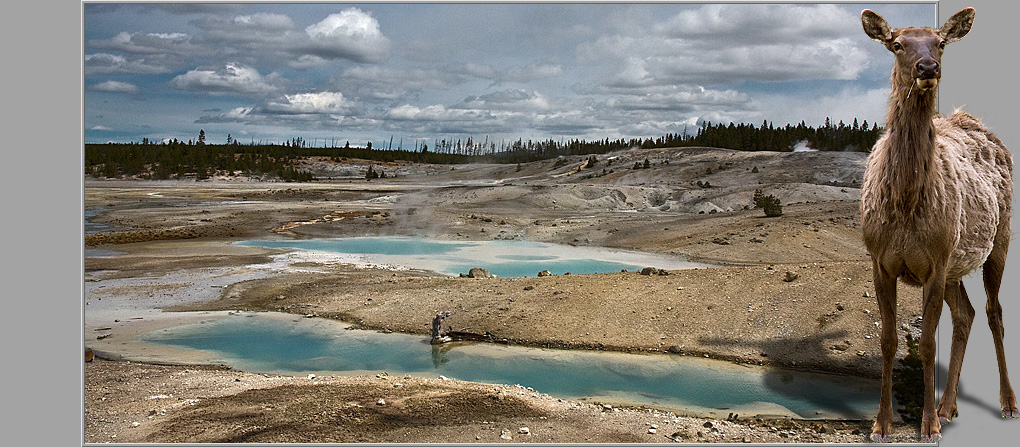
x=911 y=147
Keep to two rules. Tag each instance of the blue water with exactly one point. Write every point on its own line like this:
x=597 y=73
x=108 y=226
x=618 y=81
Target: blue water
x=501 y=258
x=367 y=245
x=271 y=343
x=91 y=227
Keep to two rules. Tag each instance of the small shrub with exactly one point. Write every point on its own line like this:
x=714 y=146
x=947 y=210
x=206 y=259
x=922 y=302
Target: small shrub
x=769 y=203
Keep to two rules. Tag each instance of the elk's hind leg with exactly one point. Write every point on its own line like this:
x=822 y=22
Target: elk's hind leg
x=963 y=316
x=992 y=275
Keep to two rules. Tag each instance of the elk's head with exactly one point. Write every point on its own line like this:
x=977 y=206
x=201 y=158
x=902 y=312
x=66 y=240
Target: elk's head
x=918 y=51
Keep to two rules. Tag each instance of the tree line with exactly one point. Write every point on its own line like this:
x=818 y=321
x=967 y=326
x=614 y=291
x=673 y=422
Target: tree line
x=199 y=160
x=176 y=159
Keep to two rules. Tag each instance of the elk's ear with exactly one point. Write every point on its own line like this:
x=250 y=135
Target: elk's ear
x=876 y=27
x=957 y=26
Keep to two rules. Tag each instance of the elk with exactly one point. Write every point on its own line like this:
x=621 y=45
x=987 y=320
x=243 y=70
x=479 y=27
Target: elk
x=935 y=206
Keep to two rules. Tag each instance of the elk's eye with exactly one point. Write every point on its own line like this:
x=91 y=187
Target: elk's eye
x=896 y=46
x=942 y=45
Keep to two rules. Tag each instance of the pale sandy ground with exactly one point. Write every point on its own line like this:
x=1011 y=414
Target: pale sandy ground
x=175 y=253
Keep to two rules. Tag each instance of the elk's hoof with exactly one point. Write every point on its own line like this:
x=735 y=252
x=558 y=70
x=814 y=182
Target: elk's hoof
x=878 y=437
x=1011 y=413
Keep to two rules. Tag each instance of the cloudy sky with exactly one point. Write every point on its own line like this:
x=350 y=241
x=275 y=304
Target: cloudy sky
x=422 y=72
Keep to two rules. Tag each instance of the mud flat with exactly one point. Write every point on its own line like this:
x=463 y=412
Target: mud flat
x=792 y=291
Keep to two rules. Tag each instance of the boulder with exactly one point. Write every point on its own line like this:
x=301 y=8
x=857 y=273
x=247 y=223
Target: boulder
x=478 y=272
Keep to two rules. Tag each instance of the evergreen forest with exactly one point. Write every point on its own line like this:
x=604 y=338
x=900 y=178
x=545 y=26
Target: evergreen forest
x=200 y=160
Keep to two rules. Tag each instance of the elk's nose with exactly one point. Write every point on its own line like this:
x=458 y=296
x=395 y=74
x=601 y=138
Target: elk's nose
x=927 y=69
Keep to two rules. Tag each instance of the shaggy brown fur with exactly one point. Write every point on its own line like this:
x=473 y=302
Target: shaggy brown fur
x=935 y=205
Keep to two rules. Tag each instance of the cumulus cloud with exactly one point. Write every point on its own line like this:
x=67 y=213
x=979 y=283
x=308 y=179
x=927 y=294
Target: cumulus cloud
x=517 y=99
x=572 y=123
x=306 y=62
x=682 y=99
x=725 y=25
x=350 y=34
x=232 y=78
x=621 y=71
x=727 y=44
x=309 y=103
x=115 y=87
x=322 y=108
x=257 y=39
x=105 y=63
x=265 y=37
x=235 y=115
x=142 y=53
x=516 y=73
x=148 y=43
x=436 y=112
x=265 y=21
x=391 y=83
x=439 y=119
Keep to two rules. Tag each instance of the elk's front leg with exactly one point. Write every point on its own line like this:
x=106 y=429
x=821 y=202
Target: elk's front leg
x=885 y=291
x=934 y=291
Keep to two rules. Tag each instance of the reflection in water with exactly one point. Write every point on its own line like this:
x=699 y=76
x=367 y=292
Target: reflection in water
x=286 y=344
x=438 y=359
x=780 y=382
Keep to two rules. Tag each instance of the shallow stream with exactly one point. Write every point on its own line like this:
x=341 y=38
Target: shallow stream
x=283 y=343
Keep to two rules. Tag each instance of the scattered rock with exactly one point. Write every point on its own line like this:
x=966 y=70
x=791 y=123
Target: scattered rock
x=505 y=434
x=381 y=402
x=89 y=355
x=680 y=436
x=790 y=276
x=544 y=273
x=478 y=272
x=524 y=431
x=648 y=271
